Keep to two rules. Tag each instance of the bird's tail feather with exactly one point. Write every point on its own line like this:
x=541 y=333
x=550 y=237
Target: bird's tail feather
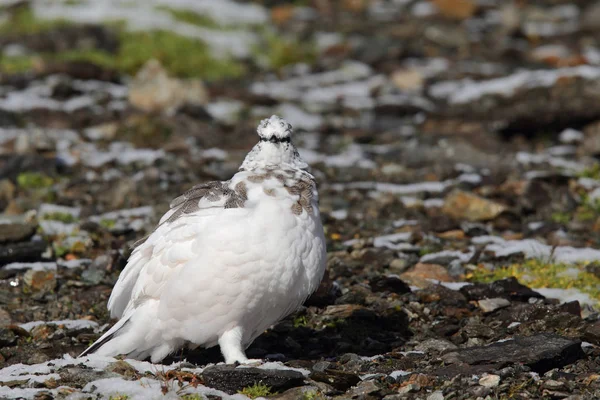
x=110 y=334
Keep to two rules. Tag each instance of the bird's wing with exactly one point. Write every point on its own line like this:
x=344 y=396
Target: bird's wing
x=167 y=244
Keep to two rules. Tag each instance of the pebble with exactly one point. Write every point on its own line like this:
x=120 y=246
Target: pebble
x=491 y=305
x=490 y=381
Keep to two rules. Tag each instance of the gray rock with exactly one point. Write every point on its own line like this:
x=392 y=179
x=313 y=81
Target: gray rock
x=230 y=379
x=541 y=353
x=491 y=305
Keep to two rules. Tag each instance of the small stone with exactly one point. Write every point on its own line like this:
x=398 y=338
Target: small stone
x=7 y=337
x=5 y=318
x=509 y=288
x=389 y=284
x=40 y=281
x=410 y=388
x=491 y=305
x=424 y=275
x=96 y=271
x=16 y=232
x=438 y=345
x=456 y=9
x=410 y=79
x=592 y=333
x=153 y=90
x=468 y=206
x=340 y=380
x=7 y=193
x=490 y=381
x=399 y=265
x=553 y=384
x=437 y=395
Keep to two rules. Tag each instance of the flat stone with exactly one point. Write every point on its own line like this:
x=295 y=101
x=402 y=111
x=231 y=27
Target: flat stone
x=491 y=305
x=16 y=232
x=541 y=353
x=340 y=380
x=389 y=284
x=490 y=381
x=424 y=275
x=438 y=345
x=230 y=379
x=509 y=288
x=40 y=281
x=592 y=333
x=468 y=206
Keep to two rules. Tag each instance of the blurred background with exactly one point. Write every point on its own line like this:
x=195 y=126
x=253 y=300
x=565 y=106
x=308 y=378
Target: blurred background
x=458 y=133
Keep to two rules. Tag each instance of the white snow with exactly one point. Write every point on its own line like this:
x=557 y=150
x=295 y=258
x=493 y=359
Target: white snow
x=47 y=208
x=570 y=136
x=532 y=248
x=69 y=324
x=399 y=373
x=467 y=90
x=394 y=188
x=389 y=241
x=36 y=266
x=567 y=295
x=339 y=214
x=352 y=155
x=454 y=254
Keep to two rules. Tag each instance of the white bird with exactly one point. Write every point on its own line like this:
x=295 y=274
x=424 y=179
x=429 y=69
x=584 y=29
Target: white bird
x=227 y=261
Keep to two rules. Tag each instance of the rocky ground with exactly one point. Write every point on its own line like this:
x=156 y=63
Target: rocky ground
x=455 y=143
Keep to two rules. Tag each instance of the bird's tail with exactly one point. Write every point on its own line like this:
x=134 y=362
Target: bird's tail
x=108 y=336
x=136 y=335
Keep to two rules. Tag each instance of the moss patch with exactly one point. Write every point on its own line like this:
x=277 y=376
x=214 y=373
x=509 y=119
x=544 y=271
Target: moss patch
x=62 y=217
x=256 y=390
x=537 y=273
x=34 y=180
x=280 y=51
x=181 y=56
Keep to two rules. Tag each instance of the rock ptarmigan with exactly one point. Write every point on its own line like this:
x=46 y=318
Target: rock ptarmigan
x=227 y=261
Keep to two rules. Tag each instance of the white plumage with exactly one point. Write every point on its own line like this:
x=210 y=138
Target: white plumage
x=226 y=262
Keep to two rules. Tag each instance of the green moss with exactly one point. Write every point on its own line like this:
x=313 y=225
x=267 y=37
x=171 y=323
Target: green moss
x=312 y=395
x=108 y=223
x=62 y=217
x=542 y=274
x=181 y=56
x=300 y=321
x=280 y=51
x=194 y=396
x=119 y=397
x=14 y=65
x=562 y=218
x=592 y=172
x=34 y=180
x=256 y=390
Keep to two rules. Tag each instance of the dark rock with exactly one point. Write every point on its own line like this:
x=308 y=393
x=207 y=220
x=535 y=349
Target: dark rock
x=338 y=379
x=389 y=284
x=541 y=353
x=509 y=288
x=7 y=337
x=592 y=333
x=16 y=232
x=22 y=252
x=230 y=379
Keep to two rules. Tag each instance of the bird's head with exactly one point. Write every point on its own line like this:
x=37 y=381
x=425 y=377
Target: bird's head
x=275 y=148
